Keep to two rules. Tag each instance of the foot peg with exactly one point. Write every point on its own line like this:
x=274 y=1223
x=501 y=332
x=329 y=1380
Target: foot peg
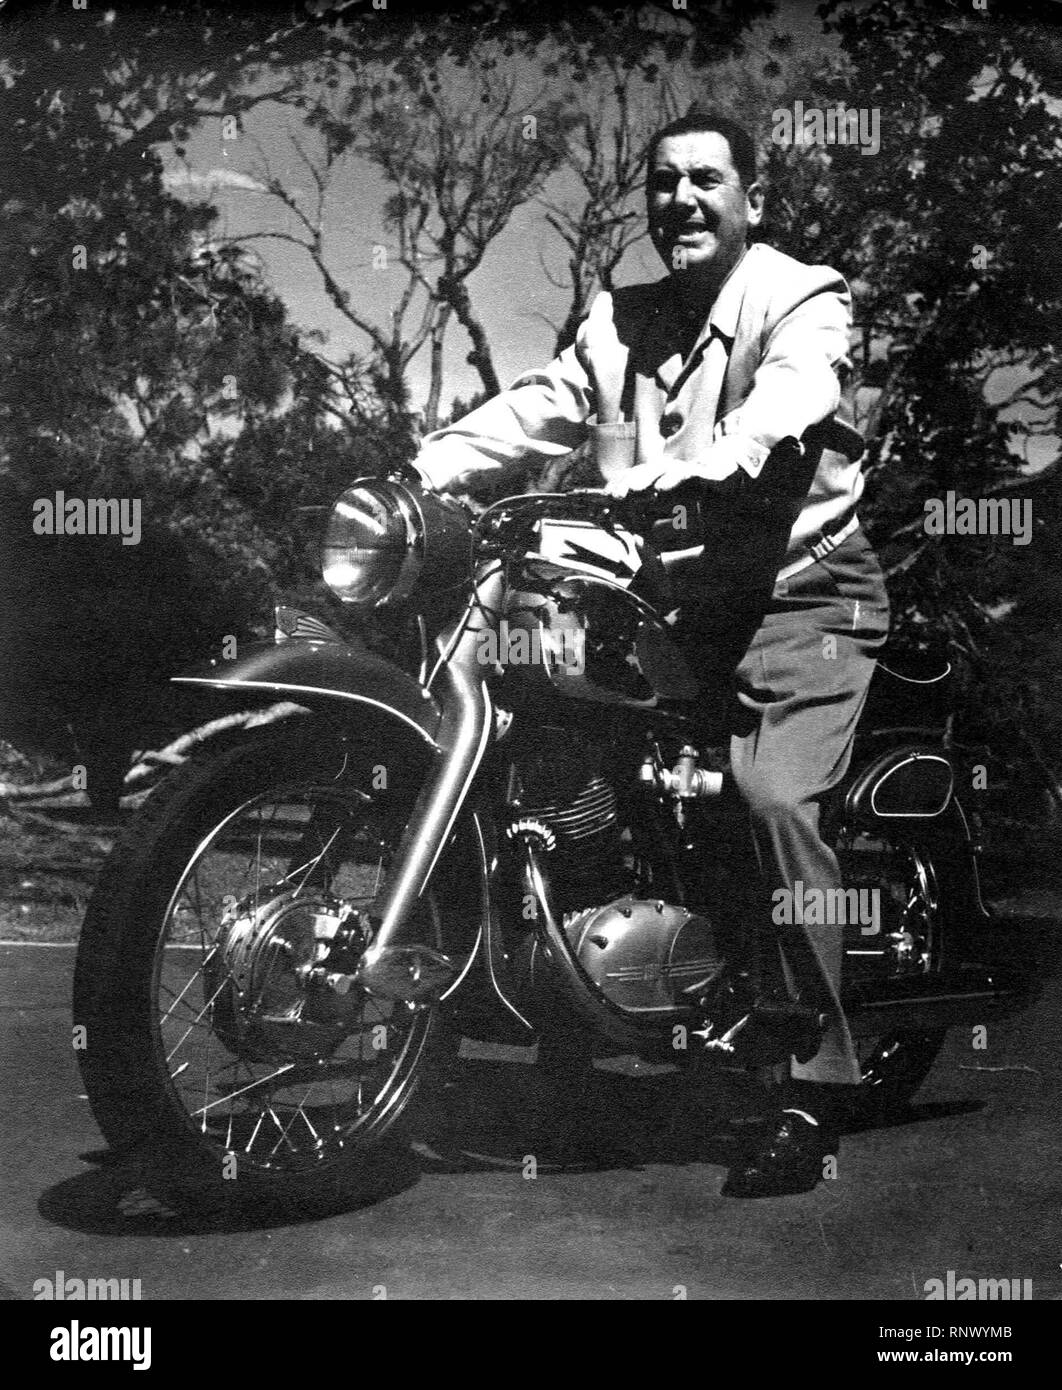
x=725 y=1041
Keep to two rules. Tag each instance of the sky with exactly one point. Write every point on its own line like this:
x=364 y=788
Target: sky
x=510 y=291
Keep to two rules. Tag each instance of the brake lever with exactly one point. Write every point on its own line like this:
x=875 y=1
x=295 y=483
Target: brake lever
x=638 y=511
x=612 y=513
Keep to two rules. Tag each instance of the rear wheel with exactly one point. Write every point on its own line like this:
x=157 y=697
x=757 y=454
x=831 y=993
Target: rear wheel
x=893 y=1069
x=213 y=1036
x=901 y=869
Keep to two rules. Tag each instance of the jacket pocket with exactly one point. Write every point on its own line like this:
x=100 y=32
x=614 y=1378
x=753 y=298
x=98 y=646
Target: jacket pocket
x=856 y=575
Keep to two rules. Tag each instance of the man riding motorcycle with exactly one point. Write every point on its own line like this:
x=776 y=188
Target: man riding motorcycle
x=700 y=385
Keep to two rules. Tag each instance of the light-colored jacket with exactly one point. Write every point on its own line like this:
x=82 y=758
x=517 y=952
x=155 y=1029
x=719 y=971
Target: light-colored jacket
x=770 y=363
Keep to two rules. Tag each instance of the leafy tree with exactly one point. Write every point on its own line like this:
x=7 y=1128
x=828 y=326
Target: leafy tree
x=139 y=360
x=607 y=148
x=950 y=237
x=461 y=151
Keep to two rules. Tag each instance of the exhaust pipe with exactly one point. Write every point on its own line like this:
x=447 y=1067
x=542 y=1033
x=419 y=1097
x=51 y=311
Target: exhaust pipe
x=926 y=1004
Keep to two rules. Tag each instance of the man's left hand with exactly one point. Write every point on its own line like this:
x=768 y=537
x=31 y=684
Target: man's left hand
x=665 y=477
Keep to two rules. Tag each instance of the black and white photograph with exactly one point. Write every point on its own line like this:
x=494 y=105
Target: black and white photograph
x=531 y=666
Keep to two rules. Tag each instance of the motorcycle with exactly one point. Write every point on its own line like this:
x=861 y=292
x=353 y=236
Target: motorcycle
x=512 y=828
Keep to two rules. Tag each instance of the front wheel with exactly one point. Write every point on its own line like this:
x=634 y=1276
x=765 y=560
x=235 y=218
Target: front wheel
x=212 y=1035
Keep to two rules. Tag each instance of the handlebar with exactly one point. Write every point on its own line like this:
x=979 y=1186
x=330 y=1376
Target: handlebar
x=635 y=512
x=782 y=484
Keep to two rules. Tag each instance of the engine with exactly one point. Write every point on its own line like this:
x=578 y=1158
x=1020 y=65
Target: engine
x=647 y=955
x=624 y=902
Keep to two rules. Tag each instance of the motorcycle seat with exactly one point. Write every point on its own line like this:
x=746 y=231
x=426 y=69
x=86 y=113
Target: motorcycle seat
x=910 y=688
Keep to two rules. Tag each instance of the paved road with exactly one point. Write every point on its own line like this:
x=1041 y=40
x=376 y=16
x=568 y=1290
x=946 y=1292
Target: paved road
x=972 y=1182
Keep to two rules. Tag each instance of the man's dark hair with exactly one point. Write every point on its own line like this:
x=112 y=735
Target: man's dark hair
x=703 y=121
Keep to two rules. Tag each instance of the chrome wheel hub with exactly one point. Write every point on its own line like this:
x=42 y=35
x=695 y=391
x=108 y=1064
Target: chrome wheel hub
x=271 y=1005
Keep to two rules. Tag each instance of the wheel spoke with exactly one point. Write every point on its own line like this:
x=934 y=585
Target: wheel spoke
x=177 y=998
x=294 y=1117
x=283 y=1133
x=261 y=1081
x=254 y=1133
x=198 y=1018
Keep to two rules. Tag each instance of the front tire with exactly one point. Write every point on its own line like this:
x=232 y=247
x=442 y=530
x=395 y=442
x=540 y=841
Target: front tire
x=208 y=1043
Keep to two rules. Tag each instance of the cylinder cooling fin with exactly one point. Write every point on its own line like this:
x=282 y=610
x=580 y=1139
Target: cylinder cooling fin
x=591 y=812
x=564 y=784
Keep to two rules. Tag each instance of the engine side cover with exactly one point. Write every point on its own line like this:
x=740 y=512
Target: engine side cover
x=647 y=957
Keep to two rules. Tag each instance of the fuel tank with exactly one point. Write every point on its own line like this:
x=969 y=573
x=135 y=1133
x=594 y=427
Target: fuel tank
x=589 y=638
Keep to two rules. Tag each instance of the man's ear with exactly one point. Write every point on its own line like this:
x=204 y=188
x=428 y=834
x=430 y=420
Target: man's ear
x=754 y=198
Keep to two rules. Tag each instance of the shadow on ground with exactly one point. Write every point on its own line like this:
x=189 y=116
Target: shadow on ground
x=490 y=1117
x=134 y=1194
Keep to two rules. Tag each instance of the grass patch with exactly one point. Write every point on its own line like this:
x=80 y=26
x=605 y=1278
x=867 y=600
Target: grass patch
x=49 y=861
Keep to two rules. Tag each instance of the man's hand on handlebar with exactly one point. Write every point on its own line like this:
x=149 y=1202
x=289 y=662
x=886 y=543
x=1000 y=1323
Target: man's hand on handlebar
x=666 y=476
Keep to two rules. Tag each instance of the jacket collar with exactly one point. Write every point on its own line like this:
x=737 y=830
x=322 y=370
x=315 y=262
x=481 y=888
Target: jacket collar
x=722 y=320
x=727 y=306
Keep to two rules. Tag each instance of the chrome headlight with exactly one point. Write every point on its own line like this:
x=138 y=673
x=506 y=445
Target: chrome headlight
x=373 y=545
x=383 y=534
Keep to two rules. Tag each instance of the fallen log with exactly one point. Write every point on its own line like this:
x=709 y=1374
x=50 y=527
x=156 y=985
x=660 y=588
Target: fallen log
x=159 y=760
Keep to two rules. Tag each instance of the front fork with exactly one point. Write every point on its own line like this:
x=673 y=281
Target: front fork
x=417 y=973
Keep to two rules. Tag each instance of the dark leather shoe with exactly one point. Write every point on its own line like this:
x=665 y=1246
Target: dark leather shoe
x=789 y=1160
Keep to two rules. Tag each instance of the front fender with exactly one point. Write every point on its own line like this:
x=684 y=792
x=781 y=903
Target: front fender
x=323 y=674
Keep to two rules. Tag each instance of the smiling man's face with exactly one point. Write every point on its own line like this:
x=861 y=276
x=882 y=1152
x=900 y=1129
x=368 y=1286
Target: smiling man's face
x=699 y=213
